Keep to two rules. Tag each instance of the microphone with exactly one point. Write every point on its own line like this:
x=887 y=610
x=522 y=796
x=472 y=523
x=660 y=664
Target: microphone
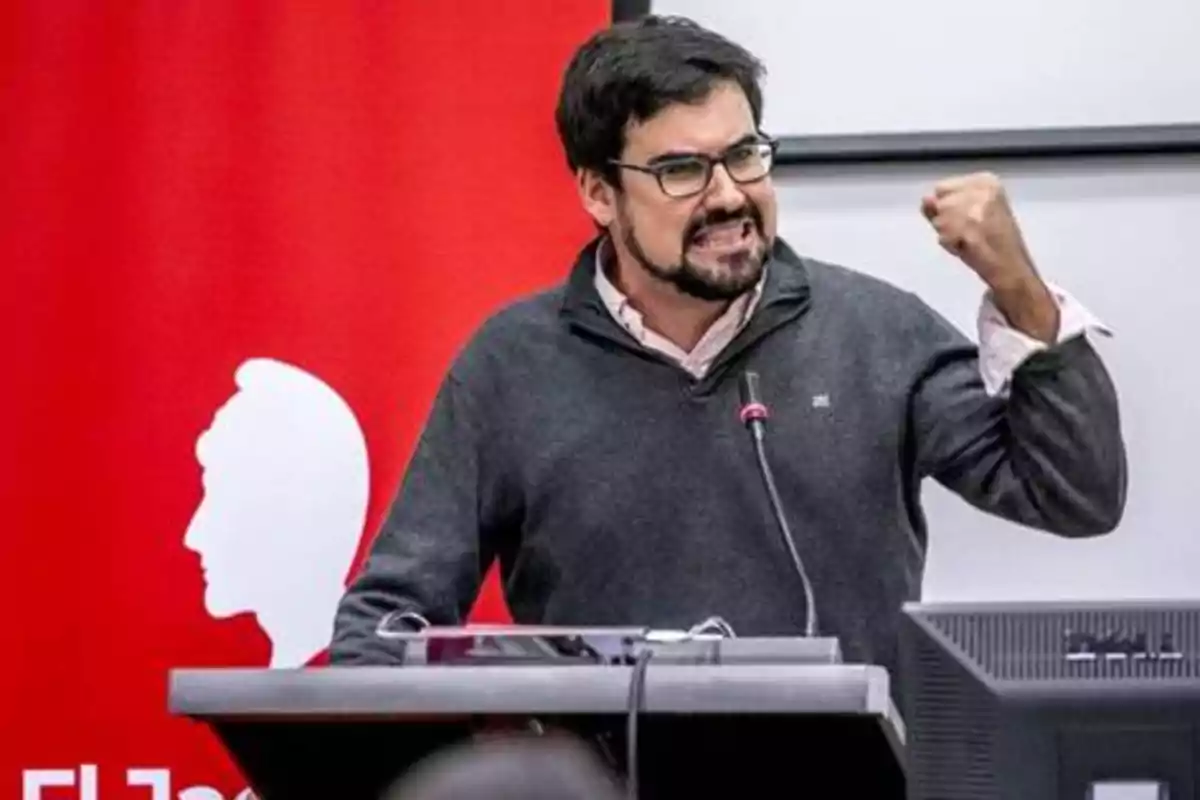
x=754 y=414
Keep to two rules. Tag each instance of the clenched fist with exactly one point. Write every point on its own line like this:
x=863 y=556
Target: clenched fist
x=975 y=222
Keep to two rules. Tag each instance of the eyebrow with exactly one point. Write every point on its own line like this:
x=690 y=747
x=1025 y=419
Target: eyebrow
x=677 y=155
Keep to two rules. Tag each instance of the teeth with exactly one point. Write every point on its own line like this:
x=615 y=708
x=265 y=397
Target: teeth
x=724 y=234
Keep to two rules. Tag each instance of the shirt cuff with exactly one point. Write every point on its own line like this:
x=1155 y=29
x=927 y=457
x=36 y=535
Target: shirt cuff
x=1003 y=348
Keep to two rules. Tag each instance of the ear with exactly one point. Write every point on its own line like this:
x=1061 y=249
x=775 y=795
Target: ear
x=598 y=197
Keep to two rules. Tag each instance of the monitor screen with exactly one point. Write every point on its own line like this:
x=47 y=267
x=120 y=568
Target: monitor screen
x=1052 y=701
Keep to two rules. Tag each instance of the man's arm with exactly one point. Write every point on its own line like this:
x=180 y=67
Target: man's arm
x=437 y=540
x=1048 y=453
x=1040 y=443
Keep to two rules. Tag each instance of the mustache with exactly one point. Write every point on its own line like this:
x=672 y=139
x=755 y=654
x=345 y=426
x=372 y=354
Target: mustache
x=749 y=212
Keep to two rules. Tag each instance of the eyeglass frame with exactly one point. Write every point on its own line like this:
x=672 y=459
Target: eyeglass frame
x=710 y=164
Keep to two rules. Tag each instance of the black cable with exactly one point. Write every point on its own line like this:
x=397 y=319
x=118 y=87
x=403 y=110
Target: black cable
x=637 y=696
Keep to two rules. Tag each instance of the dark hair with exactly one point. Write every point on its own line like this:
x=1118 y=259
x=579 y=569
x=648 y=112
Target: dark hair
x=631 y=71
x=515 y=767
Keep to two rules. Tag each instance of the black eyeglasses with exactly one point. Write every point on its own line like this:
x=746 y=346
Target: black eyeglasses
x=682 y=176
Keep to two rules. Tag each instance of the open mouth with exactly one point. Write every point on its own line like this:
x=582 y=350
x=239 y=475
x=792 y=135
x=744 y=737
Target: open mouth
x=731 y=235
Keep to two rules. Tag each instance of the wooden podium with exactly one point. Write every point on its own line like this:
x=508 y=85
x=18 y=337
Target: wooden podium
x=704 y=730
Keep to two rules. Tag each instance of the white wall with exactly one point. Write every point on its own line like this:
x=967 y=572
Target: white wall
x=1122 y=237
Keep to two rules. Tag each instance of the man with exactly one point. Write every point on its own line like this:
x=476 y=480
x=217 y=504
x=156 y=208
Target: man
x=589 y=437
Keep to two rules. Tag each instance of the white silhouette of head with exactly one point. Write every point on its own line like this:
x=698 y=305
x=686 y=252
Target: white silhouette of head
x=286 y=485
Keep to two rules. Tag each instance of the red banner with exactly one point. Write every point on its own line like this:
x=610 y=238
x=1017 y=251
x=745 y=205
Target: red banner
x=242 y=242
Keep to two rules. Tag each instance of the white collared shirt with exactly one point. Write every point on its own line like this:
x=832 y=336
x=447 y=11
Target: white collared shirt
x=714 y=340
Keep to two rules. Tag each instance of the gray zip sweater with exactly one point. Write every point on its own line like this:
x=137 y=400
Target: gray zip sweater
x=616 y=489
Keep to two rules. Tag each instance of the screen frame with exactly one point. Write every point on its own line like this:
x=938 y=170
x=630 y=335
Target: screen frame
x=1072 y=142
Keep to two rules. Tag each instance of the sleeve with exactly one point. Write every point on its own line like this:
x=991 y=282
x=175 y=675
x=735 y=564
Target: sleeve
x=1049 y=454
x=1003 y=348
x=437 y=540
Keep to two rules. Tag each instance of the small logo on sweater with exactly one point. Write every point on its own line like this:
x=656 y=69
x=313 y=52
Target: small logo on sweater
x=820 y=401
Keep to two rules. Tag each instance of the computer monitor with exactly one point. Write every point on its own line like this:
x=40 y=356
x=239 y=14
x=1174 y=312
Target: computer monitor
x=1051 y=701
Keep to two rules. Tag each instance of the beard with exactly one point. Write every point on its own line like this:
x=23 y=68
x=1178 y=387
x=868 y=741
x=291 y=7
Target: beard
x=730 y=276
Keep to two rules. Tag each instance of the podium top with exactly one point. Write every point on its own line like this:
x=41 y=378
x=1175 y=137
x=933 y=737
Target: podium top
x=388 y=692
x=266 y=716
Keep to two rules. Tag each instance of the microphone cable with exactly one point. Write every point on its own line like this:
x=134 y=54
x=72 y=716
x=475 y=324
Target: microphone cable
x=637 y=698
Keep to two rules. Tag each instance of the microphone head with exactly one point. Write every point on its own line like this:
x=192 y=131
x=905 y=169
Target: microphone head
x=749 y=388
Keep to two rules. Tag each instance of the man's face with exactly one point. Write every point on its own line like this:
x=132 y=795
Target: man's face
x=710 y=245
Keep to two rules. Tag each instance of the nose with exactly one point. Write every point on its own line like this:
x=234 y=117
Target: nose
x=723 y=191
x=192 y=538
